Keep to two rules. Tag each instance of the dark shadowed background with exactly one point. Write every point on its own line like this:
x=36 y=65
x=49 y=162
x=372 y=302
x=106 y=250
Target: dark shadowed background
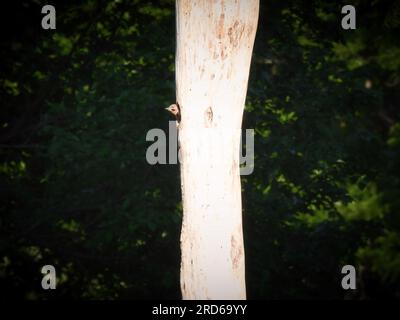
x=77 y=192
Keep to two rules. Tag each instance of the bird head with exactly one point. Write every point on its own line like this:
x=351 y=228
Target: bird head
x=173 y=108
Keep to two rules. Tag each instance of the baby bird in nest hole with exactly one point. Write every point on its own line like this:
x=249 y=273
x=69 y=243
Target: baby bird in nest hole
x=176 y=111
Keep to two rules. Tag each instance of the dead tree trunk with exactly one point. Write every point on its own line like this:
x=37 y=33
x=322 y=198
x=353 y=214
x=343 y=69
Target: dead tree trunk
x=214 y=47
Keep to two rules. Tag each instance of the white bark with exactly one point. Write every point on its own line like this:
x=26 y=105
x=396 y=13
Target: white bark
x=214 y=47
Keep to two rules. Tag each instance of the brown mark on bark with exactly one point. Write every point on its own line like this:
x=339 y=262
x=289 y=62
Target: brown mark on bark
x=236 y=253
x=235 y=33
x=220 y=26
x=186 y=7
x=202 y=69
x=223 y=54
x=208 y=117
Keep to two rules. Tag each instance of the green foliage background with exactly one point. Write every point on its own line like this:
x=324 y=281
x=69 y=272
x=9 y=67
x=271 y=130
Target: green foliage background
x=77 y=192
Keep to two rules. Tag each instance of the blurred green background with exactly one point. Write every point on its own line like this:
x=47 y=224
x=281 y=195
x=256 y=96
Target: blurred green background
x=77 y=192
